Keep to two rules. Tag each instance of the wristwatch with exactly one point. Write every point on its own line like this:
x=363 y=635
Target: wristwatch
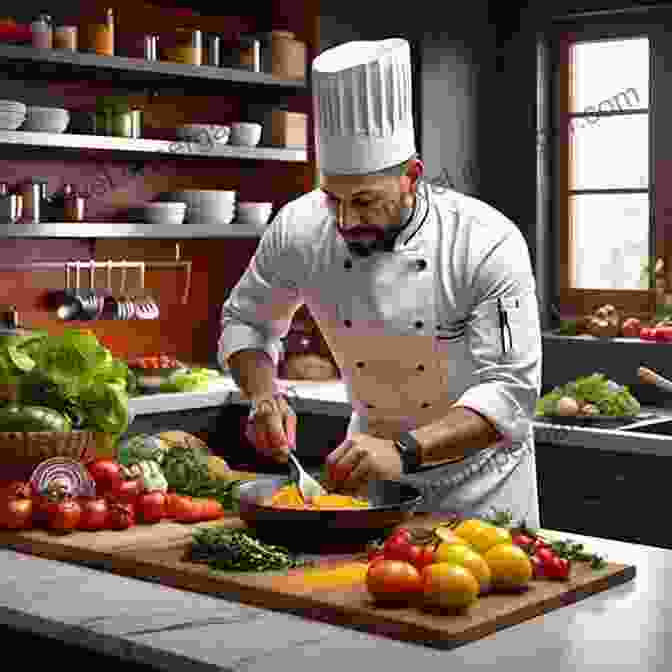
x=410 y=452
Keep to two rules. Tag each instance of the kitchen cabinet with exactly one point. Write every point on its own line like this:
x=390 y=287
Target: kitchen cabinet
x=602 y=493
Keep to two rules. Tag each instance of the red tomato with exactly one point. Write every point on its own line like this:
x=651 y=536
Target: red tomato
x=631 y=327
x=645 y=334
x=557 y=568
x=393 y=581
x=522 y=540
x=63 y=515
x=402 y=533
x=396 y=548
x=375 y=557
x=537 y=566
x=128 y=491
x=120 y=516
x=151 y=506
x=16 y=513
x=427 y=557
x=106 y=474
x=16 y=490
x=546 y=555
x=538 y=543
x=94 y=513
x=414 y=554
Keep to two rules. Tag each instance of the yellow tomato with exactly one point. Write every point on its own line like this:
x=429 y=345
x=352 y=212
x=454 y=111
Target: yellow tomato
x=447 y=585
x=488 y=536
x=467 y=557
x=509 y=565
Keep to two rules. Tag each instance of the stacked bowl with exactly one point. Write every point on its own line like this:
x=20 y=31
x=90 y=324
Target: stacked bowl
x=206 y=206
x=255 y=215
x=46 y=119
x=12 y=114
x=204 y=134
x=164 y=212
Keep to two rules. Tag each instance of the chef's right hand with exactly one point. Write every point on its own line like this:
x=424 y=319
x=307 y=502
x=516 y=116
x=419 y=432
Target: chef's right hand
x=272 y=429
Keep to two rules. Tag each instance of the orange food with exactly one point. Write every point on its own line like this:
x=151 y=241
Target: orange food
x=289 y=497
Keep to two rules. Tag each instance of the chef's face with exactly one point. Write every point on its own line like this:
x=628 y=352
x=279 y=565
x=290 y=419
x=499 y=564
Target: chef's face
x=370 y=209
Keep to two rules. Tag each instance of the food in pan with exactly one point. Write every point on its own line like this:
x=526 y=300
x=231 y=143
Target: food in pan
x=289 y=497
x=593 y=395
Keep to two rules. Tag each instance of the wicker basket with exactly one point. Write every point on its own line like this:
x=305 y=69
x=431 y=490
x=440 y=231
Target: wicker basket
x=21 y=452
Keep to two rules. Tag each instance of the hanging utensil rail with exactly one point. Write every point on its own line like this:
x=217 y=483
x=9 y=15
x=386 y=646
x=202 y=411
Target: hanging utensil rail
x=91 y=264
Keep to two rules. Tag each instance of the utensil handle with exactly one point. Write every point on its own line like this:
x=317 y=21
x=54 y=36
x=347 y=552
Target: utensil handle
x=653 y=378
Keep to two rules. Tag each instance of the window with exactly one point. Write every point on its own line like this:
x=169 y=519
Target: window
x=605 y=223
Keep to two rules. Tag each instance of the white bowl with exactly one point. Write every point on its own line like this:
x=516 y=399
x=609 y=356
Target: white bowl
x=12 y=105
x=204 y=133
x=45 y=125
x=169 y=216
x=245 y=134
x=9 y=125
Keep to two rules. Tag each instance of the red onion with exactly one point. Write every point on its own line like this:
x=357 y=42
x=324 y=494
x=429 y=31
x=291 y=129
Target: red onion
x=72 y=474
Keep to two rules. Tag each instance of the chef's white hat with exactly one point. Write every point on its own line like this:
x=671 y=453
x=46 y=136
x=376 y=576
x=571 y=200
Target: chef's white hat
x=364 y=106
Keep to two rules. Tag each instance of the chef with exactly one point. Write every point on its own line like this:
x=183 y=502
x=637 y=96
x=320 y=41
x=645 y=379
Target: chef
x=425 y=297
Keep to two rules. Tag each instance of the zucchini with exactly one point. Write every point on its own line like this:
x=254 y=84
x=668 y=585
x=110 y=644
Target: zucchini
x=16 y=418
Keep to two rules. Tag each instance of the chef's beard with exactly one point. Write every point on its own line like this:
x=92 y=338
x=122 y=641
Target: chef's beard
x=383 y=240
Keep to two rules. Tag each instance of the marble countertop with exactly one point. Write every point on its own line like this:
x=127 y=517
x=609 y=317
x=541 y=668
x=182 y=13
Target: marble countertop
x=624 y=628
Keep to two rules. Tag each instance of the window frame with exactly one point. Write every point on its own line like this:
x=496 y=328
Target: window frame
x=574 y=301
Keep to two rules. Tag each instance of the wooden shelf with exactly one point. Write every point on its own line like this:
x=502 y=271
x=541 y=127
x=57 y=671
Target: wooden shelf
x=46 y=63
x=174 y=148
x=125 y=230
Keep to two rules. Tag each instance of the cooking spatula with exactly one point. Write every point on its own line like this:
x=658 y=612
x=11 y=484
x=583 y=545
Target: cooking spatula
x=308 y=486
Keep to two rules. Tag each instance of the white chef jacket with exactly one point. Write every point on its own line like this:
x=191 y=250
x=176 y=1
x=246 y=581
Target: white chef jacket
x=449 y=317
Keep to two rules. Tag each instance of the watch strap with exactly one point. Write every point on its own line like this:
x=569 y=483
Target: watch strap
x=410 y=452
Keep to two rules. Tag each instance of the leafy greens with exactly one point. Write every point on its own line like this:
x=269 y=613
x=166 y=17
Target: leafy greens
x=611 y=399
x=73 y=373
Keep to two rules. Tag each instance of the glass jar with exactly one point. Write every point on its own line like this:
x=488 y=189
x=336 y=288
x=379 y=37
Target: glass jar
x=41 y=32
x=65 y=37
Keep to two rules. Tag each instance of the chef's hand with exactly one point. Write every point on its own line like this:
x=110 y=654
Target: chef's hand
x=272 y=430
x=360 y=459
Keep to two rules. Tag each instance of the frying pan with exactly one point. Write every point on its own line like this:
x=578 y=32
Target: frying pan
x=392 y=503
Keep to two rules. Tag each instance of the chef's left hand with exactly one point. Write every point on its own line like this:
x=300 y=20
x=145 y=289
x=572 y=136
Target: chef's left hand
x=360 y=459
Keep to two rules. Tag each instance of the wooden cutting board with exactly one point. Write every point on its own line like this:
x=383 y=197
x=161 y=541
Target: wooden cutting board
x=334 y=592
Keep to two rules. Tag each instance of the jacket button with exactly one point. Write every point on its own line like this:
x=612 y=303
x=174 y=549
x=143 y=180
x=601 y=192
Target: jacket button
x=421 y=264
x=360 y=365
x=347 y=264
x=347 y=323
x=421 y=367
x=419 y=324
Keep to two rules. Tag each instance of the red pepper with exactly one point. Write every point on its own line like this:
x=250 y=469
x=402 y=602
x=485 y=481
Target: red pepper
x=557 y=568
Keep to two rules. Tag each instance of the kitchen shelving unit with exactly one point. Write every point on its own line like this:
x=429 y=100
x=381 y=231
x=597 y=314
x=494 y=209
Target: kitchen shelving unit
x=125 y=230
x=143 y=146
x=31 y=62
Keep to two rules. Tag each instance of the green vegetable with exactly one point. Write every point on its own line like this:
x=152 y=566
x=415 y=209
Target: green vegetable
x=71 y=373
x=239 y=551
x=610 y=399
x=141 y=447
x=194 y=380
x=16 y=418
x=187 y=471
x=151 y=474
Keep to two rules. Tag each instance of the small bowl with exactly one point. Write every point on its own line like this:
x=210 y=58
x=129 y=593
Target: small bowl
x=164 y=213
x=204 y=133
x=245 y=134
x=45 y=125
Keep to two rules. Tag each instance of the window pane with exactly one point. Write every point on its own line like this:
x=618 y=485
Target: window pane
x=611 y=152
x=611 y=238
x=610 y=75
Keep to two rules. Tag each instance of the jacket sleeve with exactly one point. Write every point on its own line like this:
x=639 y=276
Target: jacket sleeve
x=259 y=310
x=504 y=338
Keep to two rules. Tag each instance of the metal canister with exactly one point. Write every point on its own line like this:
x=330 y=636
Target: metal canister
x=250 y=53
x=32 y=195
x=214 y=47
x=151 y=43
x=197 y=39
